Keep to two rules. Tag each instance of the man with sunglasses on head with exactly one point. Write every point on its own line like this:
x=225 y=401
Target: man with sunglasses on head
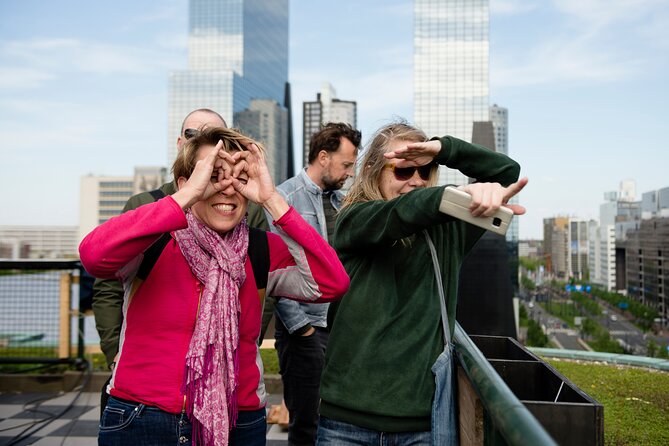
x=301 y=334
x=108 y=294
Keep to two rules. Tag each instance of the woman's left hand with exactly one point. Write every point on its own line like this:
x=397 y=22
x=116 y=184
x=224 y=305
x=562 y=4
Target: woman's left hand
x=415 y=153
x=488 y=197
x=250 y=177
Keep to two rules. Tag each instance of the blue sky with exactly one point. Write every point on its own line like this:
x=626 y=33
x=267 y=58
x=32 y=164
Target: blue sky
x=83 y=89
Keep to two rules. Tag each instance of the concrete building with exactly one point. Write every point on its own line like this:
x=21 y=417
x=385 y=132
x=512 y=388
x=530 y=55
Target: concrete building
x=39 y=242
x=326 y=108
x=566 y=247
x=267 y=122
x=499 y=116
x=617 y=215
x=102 y=197
x=647 y=270
x=237 y=51
x=451 y=52
x=655 y=203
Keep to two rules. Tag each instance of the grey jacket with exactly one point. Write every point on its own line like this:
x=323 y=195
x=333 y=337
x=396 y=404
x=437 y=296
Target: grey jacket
x=305 y=196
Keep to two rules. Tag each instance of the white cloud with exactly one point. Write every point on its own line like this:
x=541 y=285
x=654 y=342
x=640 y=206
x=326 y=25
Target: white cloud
x=22 y=78
x=41 y=60
x=511 y=7
x=601 y=13
x=576 y=60
x=590 y=41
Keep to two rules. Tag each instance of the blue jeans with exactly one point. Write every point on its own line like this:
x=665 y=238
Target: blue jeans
x=444 y=409
x=251 y=428
x=124 y=423
x=338 y=433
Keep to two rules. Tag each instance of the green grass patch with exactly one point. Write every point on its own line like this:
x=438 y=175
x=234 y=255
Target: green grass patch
x=635 y=400
x=270 y=361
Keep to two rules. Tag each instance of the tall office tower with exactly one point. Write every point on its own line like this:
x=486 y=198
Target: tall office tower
x=499 y=116
x=655 y=203
x=237 y=51
x=500 y=123
x=617 y=215
x=646 y=252
x=451 y=48
x=326 y=108
x=566 y=246
x=266 y=121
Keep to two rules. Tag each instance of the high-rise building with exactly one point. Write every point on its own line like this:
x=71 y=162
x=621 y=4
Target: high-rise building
x=237 y=51
x=499 y=116
x=566 y=247
x=267 y=122
x=326 y=108
x=655 y=203
x=451 y=46
x=647 y=273
x=617 y=215
x=102 y=197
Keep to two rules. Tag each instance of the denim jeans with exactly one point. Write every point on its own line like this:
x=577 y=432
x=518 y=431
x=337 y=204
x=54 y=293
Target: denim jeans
x=125 y=423
x=301 y=360
x=251 y=428
x=338 y=433
x=444 y=426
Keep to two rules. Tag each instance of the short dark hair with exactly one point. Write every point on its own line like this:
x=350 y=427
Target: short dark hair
x=329 y=137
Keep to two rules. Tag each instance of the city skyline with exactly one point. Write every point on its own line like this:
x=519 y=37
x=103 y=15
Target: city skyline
x=83 y=89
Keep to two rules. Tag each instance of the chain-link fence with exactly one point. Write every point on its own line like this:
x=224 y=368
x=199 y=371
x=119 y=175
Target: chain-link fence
x=40 y=321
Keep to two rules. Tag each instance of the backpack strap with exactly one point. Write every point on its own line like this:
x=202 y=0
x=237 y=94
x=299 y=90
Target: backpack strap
x=157 y=194
x=259 y=256
x=151 y=256
x=258 y=252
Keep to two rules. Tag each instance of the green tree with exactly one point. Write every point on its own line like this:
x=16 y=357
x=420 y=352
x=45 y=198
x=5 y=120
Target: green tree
x=535 y=336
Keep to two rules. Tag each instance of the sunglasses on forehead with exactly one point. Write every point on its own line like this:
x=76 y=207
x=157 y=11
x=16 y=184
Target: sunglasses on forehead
x=189 y=133
x=405 y=173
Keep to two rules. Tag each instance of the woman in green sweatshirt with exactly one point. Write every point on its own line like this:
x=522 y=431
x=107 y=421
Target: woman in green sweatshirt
x=386 y=333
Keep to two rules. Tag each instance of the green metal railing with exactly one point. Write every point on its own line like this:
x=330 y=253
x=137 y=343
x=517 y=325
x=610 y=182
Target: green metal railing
x=509 y=416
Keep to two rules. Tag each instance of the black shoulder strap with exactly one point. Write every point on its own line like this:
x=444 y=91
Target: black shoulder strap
x=151 y=256
x=157 y=194
x=259 y=256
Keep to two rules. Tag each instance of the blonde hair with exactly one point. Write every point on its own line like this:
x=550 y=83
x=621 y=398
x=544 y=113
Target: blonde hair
x=366 y=185
x=233 y=141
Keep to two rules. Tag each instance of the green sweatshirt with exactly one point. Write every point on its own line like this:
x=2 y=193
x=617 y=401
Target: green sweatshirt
x=386 y=331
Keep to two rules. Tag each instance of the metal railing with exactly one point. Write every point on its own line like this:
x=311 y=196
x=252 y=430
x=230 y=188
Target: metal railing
x=506 y=412
x=40 y=321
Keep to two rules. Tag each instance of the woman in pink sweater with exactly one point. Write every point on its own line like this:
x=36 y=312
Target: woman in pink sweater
x=188 y=369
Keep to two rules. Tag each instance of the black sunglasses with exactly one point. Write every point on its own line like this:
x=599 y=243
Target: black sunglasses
x=189 y=133
x=405 y=173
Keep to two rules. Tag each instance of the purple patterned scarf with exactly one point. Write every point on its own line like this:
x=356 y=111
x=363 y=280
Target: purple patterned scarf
x=211 y=362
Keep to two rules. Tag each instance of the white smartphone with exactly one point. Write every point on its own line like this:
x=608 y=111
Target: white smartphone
x=456 y=204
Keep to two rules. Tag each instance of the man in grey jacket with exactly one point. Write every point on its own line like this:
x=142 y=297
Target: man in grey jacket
x=301 y=335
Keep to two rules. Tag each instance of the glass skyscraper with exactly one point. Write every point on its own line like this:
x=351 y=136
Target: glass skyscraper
x=451 y=47
x=237 y=51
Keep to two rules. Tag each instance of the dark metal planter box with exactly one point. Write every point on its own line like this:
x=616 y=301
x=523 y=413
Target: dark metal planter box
x=567 y=413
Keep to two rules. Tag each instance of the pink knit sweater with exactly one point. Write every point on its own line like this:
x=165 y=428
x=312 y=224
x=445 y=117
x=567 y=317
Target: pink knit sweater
x=159 y=314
